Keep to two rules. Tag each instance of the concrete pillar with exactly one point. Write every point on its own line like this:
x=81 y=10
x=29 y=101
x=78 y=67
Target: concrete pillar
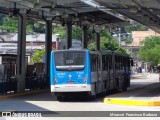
x=48 y=46
x=57 y=44
x=84 y=36
x=21 y=62
x=68 y=35
x=97 y=40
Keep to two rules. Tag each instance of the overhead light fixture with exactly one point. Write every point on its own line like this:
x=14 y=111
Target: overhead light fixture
x=139 y=13
x=52 y=8
x=115 y=30
x=103 y=27
x=85 y=17
x=36 y=25
x=10 y=17
x=41 y=22
x=97 y=28
x=133 y=10
x=76 y=19
x=93 y=23
x=85 y=23
x=54 y=12
x=155 y=21
x=147 y=18
x=65 y=15
x=53 y=5
x=37 y=5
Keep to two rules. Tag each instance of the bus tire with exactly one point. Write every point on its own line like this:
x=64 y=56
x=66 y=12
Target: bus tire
x=60 y=98
x=124 y=88
x=93 y=97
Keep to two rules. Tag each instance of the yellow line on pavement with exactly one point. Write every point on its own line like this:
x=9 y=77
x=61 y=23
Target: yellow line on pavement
x=130 y=102
x=23 y=94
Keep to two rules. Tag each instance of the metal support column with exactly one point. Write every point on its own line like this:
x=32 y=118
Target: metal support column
x=48 y=46
x=68 y=35
x=84 y=37
x=21 y=63
x=97 y=40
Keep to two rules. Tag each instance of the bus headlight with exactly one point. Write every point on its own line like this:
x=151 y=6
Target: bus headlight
x=55 y=80
x=85 y=79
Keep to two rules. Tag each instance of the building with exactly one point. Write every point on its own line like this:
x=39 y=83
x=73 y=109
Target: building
x=8 y=43
x=139 y=36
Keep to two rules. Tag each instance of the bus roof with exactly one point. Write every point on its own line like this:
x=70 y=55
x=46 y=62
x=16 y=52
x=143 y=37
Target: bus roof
x=69 y=50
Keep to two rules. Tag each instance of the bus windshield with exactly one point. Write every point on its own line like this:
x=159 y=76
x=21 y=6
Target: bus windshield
x=70 y=60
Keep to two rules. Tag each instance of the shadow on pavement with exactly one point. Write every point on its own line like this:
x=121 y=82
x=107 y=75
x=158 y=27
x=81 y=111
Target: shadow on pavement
x=143 y=91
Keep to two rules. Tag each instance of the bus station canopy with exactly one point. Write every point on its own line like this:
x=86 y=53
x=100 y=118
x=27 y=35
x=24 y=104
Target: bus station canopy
x=80 y=12
x=146 y=12
x=109 y=13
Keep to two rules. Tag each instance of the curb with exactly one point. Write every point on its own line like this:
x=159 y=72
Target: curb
x=128 y=102
x=138 y=77
x=23 y=94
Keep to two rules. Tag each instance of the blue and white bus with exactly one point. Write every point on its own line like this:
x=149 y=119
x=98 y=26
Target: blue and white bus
x=80 y=72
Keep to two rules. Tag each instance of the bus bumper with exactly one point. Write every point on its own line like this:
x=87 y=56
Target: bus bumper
x=71 y=88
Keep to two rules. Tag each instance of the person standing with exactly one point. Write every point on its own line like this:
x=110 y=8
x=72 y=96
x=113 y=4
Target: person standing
x=158 y=70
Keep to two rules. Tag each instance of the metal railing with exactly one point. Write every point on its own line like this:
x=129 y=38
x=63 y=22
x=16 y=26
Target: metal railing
x=35 y=80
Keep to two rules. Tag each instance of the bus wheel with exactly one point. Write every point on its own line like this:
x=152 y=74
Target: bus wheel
x=60 y=98
x=104 y=93
x=92 y=97
x=124 y=88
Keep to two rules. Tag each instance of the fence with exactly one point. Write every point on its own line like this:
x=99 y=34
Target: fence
x=8 y=83
x=35 y=78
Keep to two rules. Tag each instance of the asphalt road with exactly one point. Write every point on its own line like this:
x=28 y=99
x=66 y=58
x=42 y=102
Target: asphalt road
x=46 y=102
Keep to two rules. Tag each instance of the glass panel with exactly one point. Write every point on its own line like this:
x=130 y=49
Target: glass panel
x=70 y=60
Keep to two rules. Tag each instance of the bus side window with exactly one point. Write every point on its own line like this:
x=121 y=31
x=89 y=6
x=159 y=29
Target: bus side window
x=120 y=63
x=104 y=65
x=110 y=62
x=116 y=63
x=92 y=63
x=98 y=62
x=106 y=62
x=103 y=62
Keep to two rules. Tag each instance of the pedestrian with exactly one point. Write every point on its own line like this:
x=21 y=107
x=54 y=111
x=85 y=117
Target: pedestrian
x=158 y=70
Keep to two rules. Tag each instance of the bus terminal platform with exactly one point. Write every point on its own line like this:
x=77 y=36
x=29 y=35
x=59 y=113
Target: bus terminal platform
x=144 y=91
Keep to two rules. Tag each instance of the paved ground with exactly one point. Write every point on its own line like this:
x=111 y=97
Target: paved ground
x=47 y=102
x=144 y=87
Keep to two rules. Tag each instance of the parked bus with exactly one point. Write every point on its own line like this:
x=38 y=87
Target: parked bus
x=84 y=72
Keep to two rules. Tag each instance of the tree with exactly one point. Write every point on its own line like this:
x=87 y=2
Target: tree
x=37 y=56
x=107 y=42
x=60 y=30
x=37 y=27
x=137 y=27
x=11 y=25
x=150 y=51
x=76 y=32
